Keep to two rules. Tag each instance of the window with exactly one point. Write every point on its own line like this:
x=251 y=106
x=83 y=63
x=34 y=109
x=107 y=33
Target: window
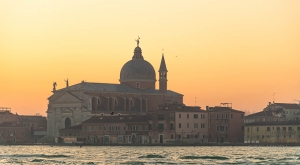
x=290 y=136
x=257 y=136
x=226 y=116
x=284 y=128
x=187 y=125
x=226 y=128
x=195 y=125
x=257 y=129
x=116 y=102
x=137 y=85
x=179 y=125
x=217 y=116
x=298 y=128
x=217 y=128
x=278 y=128
x=209 y=125
x=202 y=125
x=222 y=116
x=171 y=126
x=150 y=126
x=179 y=115
x=188 y=136
x=171 y=136
x=268 y=128
x=187 y=115
x=160 y=116
x=195 y=116
x=221 y=128
x=289 y=128
x=262 y=136
x=171 y=115
x=268 y=136
x=202 y=116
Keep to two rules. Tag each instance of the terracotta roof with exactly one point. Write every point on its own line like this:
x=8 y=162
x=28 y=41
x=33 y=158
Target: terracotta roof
x=262 y=113
x=293 y=122
x=118 y=119
x=288 y=105
x=223 y=109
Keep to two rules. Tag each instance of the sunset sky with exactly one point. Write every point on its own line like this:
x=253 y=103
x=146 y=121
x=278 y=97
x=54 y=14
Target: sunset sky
x=236 y=51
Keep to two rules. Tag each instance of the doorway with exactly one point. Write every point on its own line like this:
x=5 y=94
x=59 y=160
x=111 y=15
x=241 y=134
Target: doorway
x=161 y=138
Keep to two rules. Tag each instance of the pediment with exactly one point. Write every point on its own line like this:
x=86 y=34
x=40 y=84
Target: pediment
x=67 y=97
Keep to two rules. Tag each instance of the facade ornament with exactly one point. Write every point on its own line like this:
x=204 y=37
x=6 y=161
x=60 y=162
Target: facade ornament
x=138 y=41
x=54 y=86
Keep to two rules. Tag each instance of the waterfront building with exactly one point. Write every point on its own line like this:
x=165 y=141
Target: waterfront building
x=225 y=125
x=273 y=132
x=191 y=124
x=276 y=112
x=290 y=111
x=6 y=115
x=19 y=129
x=136 y=94
x=129 y=129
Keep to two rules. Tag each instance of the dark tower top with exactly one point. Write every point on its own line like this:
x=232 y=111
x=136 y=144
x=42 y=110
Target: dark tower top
x=163 y=86
x=163 y=66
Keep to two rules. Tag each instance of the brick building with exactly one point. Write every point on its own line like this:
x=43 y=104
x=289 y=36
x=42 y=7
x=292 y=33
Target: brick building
x=116 y=129
x=225 y=125
x=19 y=129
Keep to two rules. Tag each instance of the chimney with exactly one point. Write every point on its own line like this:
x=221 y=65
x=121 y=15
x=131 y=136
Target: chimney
x=207 y=108
x=269 y=103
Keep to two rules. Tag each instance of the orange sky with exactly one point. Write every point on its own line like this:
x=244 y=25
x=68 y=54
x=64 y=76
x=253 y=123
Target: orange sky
x=227 y=51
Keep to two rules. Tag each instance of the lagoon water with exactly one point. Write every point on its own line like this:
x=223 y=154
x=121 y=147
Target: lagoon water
x=149 y=155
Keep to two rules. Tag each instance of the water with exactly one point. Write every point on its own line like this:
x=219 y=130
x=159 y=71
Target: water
x=148 y=155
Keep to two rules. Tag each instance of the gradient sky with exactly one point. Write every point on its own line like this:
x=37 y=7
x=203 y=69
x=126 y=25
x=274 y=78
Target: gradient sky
x=236 y=51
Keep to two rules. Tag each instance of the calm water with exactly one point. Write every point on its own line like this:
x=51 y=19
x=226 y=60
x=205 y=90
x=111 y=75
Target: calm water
x=148 y=155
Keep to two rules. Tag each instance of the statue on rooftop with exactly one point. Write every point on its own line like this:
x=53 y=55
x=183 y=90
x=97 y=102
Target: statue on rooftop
x=54 y=86
x=138 y=41
x=67 y=83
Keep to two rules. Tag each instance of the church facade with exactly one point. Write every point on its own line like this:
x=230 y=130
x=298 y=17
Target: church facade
x=136 y=94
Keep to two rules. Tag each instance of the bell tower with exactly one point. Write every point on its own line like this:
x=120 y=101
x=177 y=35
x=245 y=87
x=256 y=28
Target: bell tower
x=163 y=78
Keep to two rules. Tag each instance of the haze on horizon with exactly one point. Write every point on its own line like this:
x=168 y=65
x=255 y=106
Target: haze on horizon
x=216 y=51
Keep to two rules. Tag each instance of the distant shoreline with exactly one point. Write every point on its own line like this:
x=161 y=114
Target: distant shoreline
x=166 y=145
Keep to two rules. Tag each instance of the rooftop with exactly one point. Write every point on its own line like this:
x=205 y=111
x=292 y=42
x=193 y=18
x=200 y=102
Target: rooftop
x=223 y=109
x=288 y=105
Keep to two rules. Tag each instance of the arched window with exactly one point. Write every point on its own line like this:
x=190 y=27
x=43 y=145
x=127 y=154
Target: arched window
x=67 y=122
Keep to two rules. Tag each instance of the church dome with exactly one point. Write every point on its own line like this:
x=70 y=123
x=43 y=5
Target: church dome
x=137 y=68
